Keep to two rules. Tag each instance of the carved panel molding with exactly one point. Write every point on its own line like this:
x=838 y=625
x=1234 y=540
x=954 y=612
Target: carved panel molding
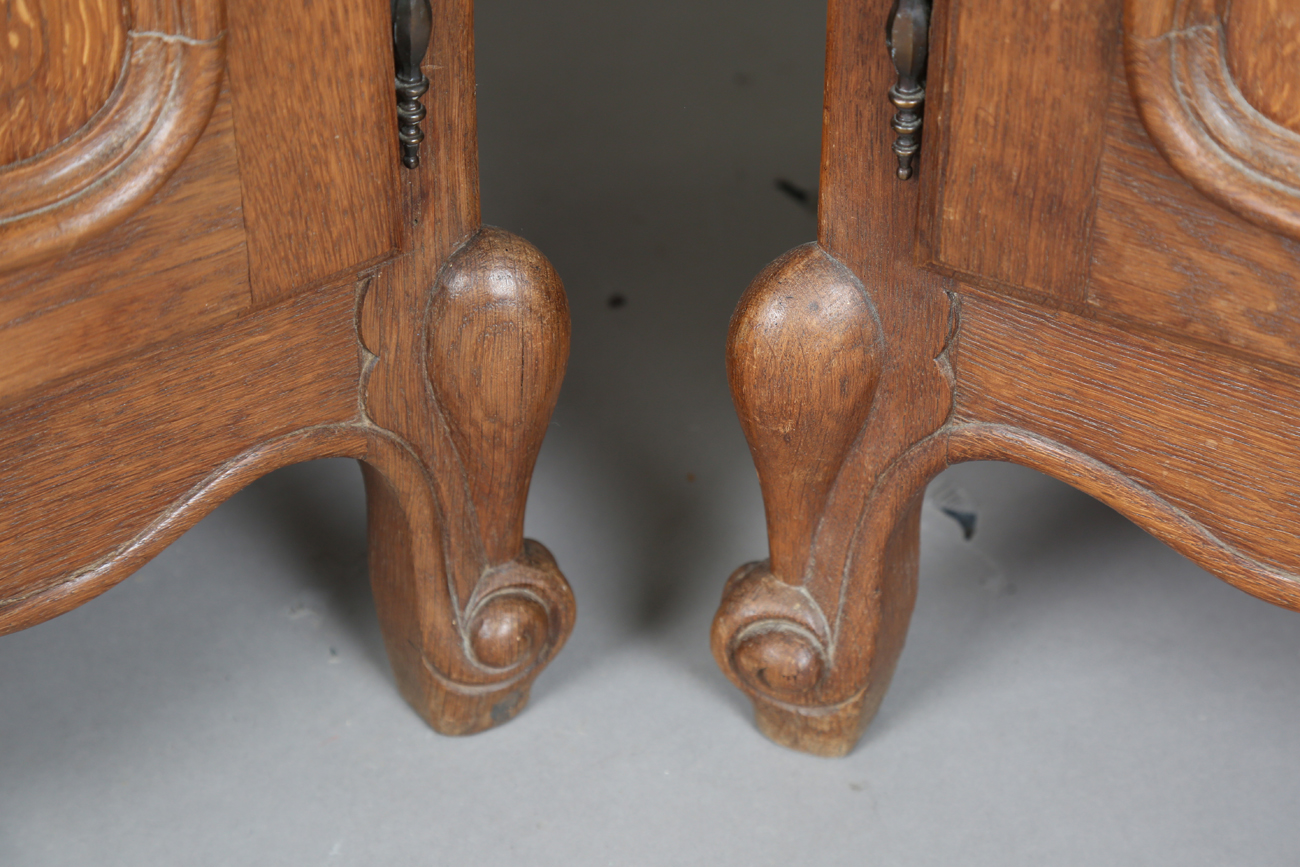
x=101 y=174
x=1176 y=57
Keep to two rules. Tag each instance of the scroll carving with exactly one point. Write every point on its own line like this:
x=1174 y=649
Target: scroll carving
x=804 y=359
x=485 y=371
x=103 y=173
x=1175 y=54
x=840 y=406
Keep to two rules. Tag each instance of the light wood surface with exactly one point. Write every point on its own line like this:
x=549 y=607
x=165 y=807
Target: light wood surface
x=1263 y=47
x=62 y=58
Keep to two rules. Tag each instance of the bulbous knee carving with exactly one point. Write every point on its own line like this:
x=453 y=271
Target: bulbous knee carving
x=804 y=357
x=497 y=348
x=812 y=633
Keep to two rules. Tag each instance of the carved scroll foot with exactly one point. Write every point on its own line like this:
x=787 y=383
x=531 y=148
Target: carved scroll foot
x=812 y=634
x=462 y=670
x=471 y=610
x=811 y=692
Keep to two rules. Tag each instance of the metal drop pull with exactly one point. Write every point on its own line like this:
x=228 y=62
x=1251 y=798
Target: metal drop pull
x=412 y=25
x=907 y=33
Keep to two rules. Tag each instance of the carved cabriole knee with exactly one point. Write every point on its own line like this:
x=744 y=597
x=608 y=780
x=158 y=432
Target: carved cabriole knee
x=804 y=359
x=487 y=608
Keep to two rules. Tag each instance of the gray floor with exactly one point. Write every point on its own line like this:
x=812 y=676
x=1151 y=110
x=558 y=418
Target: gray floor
x=1072 y=692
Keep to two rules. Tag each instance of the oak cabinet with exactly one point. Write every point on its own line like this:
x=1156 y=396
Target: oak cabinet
x=213 y=263
x=1092 y=271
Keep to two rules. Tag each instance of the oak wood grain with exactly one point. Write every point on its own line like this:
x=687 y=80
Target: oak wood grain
x=1263 y=48
x=106 y=171
x=316 y=132
x=1168 y=258
x=380 y=321
x=779 y=372
x=179 y=266
x=812 y=634
x=62 y=58
x=155 y=425
x=1163 y=519
x=1195 y=113
x=498 y=345
x=1152 y=366
x=1012 y=156
x=1212 y=435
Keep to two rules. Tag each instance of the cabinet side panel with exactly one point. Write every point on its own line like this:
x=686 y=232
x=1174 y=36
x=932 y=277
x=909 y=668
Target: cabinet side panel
x=315 y=122
x=1008 y=197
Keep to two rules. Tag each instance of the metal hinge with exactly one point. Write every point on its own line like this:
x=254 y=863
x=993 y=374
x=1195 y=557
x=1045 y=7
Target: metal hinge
x=412 y=25
x=907 y=33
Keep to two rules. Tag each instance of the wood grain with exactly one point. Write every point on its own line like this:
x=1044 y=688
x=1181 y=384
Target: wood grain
x=1149 y=363
x=1197 y=117
x=812 y=635
x=87 y=467
x=1263 y=48
x=498 y=345
x=1145 y=507
x=803 y=358
x=62 y=58
x=437 y=364
x=1212 y=435
x=180 y=265
x=1012 y=156
x=1168 y=258
x=471 y=611
x=317 y=131
x=97 y=178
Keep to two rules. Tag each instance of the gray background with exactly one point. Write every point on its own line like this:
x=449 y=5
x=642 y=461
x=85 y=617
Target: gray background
x=1072 y=692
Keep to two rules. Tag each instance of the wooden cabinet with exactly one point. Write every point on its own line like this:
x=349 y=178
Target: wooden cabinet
x=213 y=263
x=1092 y=272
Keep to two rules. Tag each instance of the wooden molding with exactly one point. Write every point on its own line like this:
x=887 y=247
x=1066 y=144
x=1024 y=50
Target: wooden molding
x=68 y=591
x=1133 y=500
x=103 y=173
x=1175 y=54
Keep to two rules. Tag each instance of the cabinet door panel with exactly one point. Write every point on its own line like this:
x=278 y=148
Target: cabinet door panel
x=1263 y=46
x=178 y=265
x=1167 y=257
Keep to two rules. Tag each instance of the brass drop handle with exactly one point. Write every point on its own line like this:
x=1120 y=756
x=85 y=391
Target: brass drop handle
x=907 y=33
x=412 y=25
